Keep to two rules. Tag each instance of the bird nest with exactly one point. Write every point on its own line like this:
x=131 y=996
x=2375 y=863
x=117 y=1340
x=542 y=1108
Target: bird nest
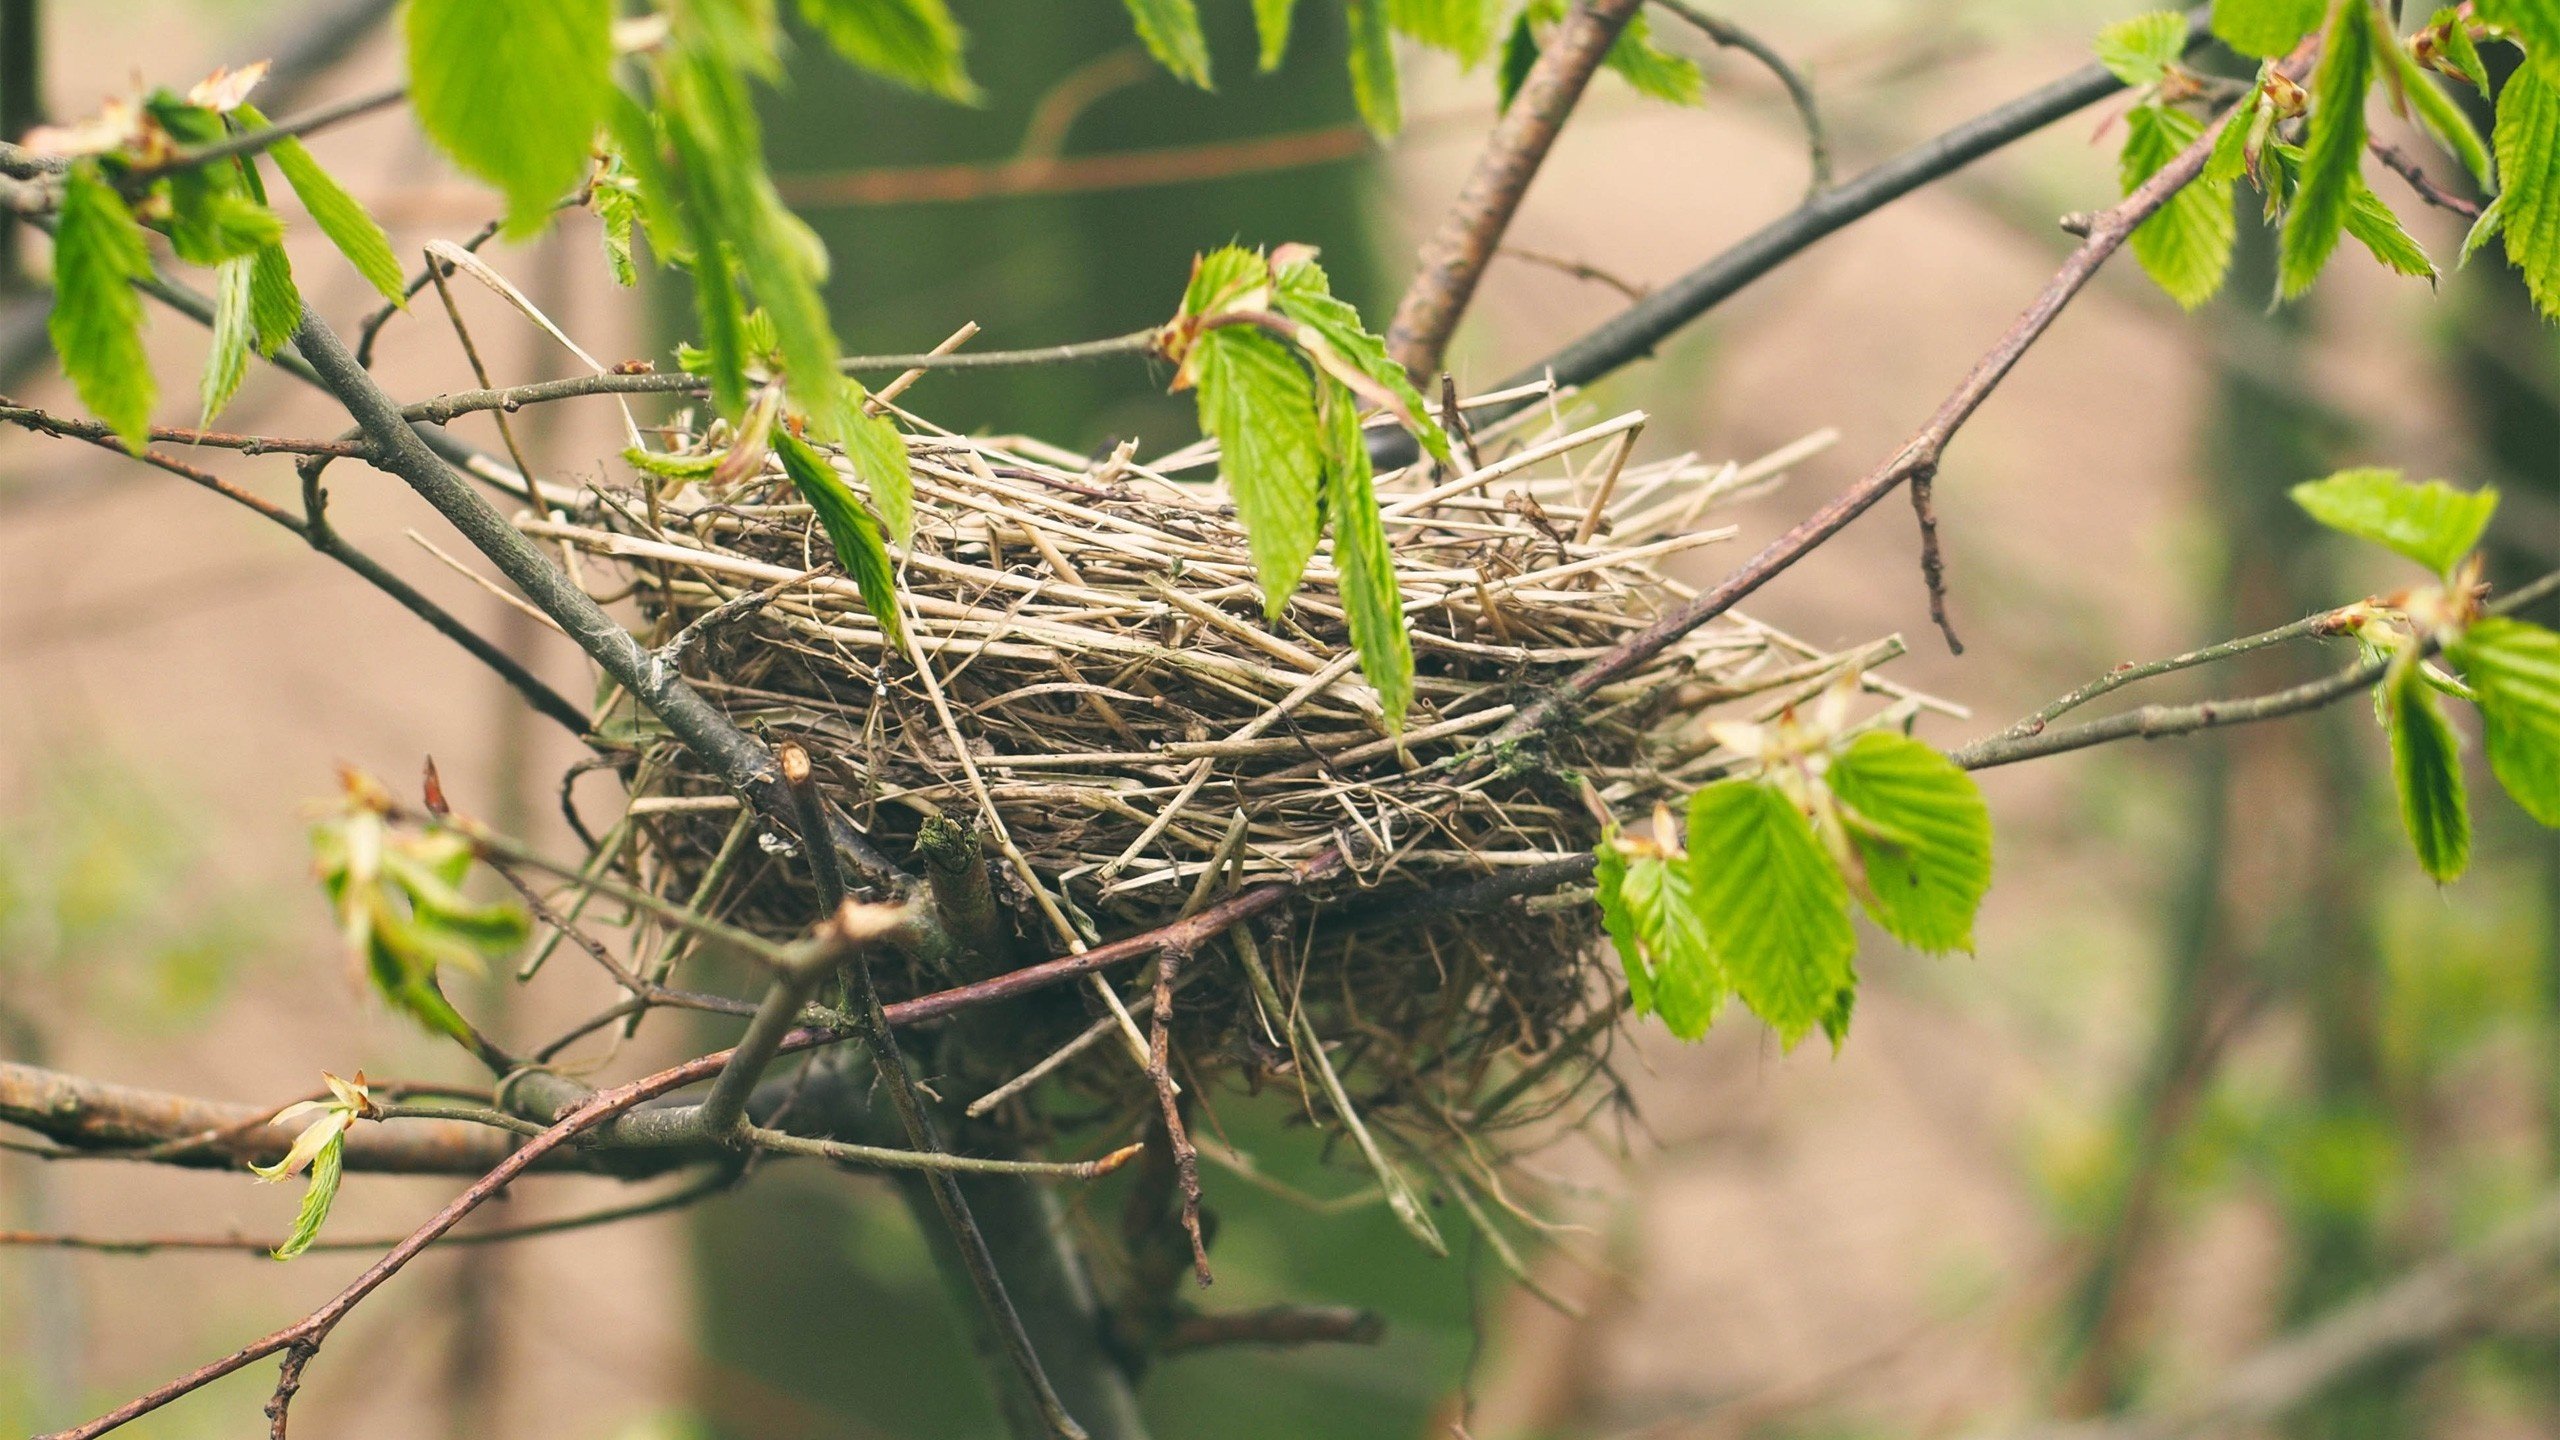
x=1094 y=712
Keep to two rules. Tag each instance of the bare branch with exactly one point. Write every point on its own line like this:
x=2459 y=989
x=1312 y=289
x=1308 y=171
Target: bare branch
x=1799 y=90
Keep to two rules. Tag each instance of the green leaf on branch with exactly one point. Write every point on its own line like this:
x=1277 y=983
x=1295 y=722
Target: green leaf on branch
x=1372 y=601
x=2440 y=114
x=327 y=1168
x=2433 y=524
x=2140 y=50
x=2185 y=246
x=2514 y=672
x=275 y=302
x=878 y=454
x=855 y=535
x=1170 y=29
x=2527 y=139
x=1775 y=907
x=1260 y=404
x=212 y=220
x=1657 y=927
x=234 y=327
x=1375 y=86
x=2380 y=232
x=2265 y=28
x=96 y=326
x=1921 y=832
x=513 y=92
x=1271 y=28
x=1652 y=70
x=2427 y=768
x=2536 y=23
x=915 y=43
x=339 y=215
x=1463 y=28
x=2493 y=218
x=1302 y=292
x=2333 y=154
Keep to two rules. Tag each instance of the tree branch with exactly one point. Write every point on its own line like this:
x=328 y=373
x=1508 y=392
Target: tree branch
x=1799 y=90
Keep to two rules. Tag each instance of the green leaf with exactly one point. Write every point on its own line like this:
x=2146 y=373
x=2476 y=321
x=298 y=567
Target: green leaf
x=673 y=467
x=98 y=254
x=1652 y=70
x=234 y=326
x=2379 y=231
x=1372 y=601
x=2443 y=117
x=617 y=206
x=513 y=92
x=2534 y=22
x=2493 y=218
x=1463 y=28
x=1259 y=402
x=1775 y=907
x=1519 y=53
x=212 y=220
x=2428 y=772
x=2514 y=672
x=2333 y=155
x=2457 y=52
x=2264 y=28
x=913 y=42
x=1271 y=27
x=1302 y=291
x=327 y=1168
x=1170 y=30
x=1923 y=834
x=339 y=215
x=2140 y=50
x=1375 y=87
x=855 y=534
x=2185 y=246
x=2433 y=524
x=1656 y=924
x=2527 y=139
x=879 y=456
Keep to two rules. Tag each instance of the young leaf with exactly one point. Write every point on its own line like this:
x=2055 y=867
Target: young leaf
x=913 y=42
x=2139 y=51
x=1519 y=52
x=1463 y=28
x=1652 y=70
x=2333 y=155
x=2433 y=524
x=339 y=215
x=1775 y=908
x=2493 y=218
x=1375 y=87
x=879 y=457
x=1654 y=920
x=2440 y=114
x=617 y=206
x=1372 y=601
x=2185 y=246
x=2428 y=772
x=98 y=254
x=1258 y=400
x=513 y=92
x=213 y=220
x=1923 y=834
x=2535 y=22
x=327 y=1168
x=854 y=533
x=1271 y=28
x=234 y=327
x=2379 y=231
x=2527 y=139
x=2264 y=28
x=1301 y=291
x=2514 y=672
x=1171 y=32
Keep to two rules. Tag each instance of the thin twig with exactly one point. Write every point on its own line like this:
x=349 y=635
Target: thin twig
x=2398 y=162
x=1799 y=90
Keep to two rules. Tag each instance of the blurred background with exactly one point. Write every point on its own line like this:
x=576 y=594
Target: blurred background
x=2224 y=1060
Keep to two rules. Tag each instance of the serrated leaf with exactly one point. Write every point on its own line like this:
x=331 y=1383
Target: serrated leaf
x=96 y=325
x=1271 y=29
x=2379 y=231
x=2513 y=669
x=1170 y=29
x=1923 y=834
x=234 y=327
x=2440 y=114
x=211 y=222
x=1655 y=922
x=1375 y=86
x=327 y=1169
x=1776 y=909
x=879 y=457
x=2333 y=154
x=2433 y=524
x=2427 y=769
x=339 y=215
x=2493 y=218
x=2265 y=28
x=513 y=92
x=2534 y=22
x=1372 y=601
x=2139 y=50
x=855 y=535
x=2458 y=53
x=1302 y=291
x=1260 y=404
x=2230 y=158
x=2185 y=245
x=915 y=43
x=1652 y=70
x=2527 y=139
x=617 y=207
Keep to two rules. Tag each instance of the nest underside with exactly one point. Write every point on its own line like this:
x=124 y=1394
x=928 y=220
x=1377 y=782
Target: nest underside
x=1092 y=694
